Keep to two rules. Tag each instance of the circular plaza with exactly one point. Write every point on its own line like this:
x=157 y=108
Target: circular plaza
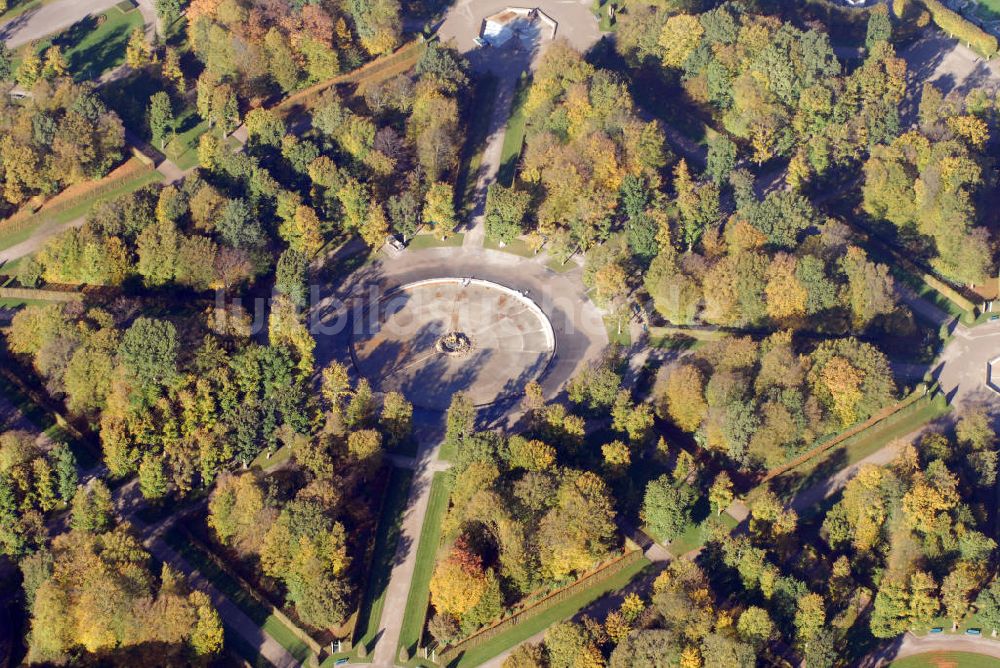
x=432 y=338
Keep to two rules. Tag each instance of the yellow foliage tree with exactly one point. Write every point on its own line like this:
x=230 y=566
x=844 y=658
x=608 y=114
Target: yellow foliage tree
x=844 y=384
x=680 y=36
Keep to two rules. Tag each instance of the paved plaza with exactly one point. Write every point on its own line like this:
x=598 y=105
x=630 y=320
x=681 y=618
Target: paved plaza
x=433 y=338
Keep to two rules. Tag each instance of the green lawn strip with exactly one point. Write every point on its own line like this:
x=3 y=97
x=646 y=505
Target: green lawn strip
x=690 y=332
x=950 y=659
x=513 y=137
x=557 y=613
x=421 y=241
x=857 y=447
x=418 y=598
x=483 y=97
x=386 y=536
x=78 y=210
x=280 y=456
x=252 y=608
x=18 y=303
x=561 y=267
x=517 y=247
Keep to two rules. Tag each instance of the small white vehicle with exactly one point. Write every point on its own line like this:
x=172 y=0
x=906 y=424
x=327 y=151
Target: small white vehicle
x=480 y=42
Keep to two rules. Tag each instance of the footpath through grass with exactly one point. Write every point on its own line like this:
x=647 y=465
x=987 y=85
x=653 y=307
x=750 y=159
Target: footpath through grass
x=251 y=607
x=418 y=598
x=386 y=537
x=557 y=613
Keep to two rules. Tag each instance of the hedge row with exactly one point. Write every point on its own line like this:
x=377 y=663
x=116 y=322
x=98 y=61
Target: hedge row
x=25 y=218
x=40 y=295
x=962 y=29
x=404 y=57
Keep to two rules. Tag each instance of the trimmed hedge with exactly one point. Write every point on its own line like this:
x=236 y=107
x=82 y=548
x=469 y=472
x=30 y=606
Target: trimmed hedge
x=962 y=29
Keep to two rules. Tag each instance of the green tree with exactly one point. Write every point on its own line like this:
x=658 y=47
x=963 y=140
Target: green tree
x=460 y=421
x=720 y=495
x=168 y=11
x=161 y=118
x=988 y=605
x=361 y=408
x=6 y=63
x=666 y=507
x=153 y=477
x=64 y=465
x=148 y=353
x=396 y=419
x=721 y=159
x=879 y=26
x=810 y=617
x=755 y=626
x=290 y=277
x=505 y=212
x=92 y=507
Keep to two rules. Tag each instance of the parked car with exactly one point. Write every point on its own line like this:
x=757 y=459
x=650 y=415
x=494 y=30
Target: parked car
x=937 y=629
x=974 y=632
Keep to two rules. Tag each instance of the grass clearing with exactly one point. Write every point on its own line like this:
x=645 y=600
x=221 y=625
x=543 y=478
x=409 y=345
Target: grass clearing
x=618 y=331
x=279 y=457
x=563 y=610
x=947 y=660
x=386 y=537
x=517 y=247
x=561 y=267
x=694 y=536
x=513 y=136
x=422 y=241
x=417 y=600
x=183 y=148
x=94 y=45
x=250 y=606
